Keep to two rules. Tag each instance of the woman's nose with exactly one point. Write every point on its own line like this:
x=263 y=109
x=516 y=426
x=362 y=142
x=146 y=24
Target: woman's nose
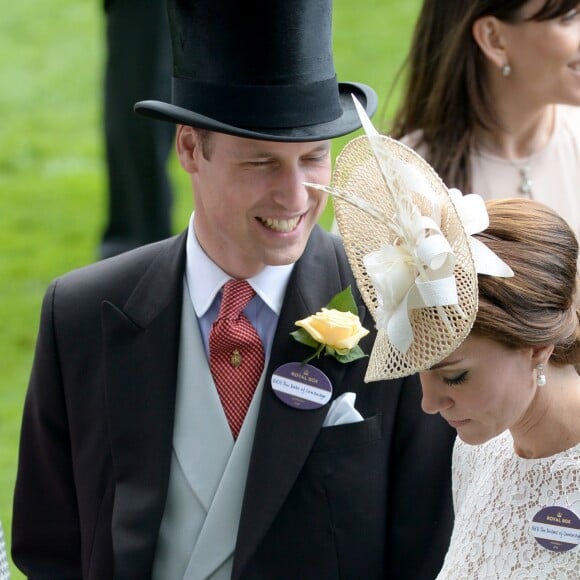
x=434 y=398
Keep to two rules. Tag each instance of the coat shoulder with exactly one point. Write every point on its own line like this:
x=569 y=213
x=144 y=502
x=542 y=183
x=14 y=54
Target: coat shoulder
x=115 y=277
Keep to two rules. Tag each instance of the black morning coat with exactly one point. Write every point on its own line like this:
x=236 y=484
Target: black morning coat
x=366 y=500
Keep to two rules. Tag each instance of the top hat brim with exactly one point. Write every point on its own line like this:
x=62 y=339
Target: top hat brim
x=346 y=123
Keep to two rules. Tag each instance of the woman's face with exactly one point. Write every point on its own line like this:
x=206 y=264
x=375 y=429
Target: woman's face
x=481 y=389
x=545 y=55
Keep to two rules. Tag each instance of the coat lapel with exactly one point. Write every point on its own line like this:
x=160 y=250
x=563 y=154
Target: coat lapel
x=141 y=340
x=285 y=435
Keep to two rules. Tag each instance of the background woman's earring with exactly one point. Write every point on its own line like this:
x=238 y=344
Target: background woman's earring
x=506 y=70
x=540 y=376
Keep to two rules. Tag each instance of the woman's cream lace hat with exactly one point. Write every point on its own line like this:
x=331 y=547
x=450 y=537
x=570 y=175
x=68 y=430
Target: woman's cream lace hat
x=408 y=241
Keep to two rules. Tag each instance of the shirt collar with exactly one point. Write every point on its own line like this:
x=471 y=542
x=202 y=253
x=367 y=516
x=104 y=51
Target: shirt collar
x=205 y=278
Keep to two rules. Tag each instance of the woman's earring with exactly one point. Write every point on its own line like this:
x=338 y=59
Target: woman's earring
x=506 y=70
x=540 y=376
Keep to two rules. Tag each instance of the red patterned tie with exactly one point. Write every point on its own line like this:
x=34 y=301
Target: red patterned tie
x=236 y=354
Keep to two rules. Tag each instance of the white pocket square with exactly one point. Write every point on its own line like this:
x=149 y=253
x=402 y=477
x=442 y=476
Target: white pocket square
x=342 y=411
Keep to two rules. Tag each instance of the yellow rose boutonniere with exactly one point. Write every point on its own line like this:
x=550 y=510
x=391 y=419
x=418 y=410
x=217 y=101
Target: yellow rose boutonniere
x=335 y=330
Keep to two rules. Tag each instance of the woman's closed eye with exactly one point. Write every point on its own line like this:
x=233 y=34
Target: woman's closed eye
x=456 y=380
x=570 y=15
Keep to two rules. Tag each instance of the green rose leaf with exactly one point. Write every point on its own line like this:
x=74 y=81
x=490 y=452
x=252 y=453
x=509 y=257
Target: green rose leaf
x=353 y=354
x=344 y=301
x=304 y=338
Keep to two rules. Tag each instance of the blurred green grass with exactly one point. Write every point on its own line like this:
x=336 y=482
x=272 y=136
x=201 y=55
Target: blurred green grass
x=52 y=197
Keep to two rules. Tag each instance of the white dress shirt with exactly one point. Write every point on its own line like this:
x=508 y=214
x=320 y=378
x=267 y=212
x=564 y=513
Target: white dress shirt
x=205 y=280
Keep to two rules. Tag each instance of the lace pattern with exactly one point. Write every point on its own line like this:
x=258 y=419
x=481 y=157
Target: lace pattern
x=4 y=572
x=496 y=494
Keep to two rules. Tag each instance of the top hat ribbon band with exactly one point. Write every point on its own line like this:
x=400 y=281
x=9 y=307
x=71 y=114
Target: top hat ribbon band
x=281 y=106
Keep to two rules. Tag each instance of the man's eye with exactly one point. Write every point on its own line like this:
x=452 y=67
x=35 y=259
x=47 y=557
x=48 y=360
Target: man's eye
x=454 y=381
x=317 y=158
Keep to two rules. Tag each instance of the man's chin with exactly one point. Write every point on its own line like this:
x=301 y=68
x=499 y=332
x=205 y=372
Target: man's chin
x=285 y=256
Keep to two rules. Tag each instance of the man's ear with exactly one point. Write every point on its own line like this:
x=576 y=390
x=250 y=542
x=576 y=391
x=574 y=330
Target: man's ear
x=487 y=32
x=187 y=146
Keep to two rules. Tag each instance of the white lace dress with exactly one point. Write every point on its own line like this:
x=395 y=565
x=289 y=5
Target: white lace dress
x=4 y=572
x=496 y=496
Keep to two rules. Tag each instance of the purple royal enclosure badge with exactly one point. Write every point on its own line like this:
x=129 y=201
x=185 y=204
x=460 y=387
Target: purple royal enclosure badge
x=301 y=386
x=556 y=528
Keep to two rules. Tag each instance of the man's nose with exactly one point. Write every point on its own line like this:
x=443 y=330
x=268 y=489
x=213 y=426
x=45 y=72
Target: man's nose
x=290 y=189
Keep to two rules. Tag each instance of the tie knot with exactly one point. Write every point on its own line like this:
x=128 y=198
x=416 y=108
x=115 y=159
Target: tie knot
x=236 y=296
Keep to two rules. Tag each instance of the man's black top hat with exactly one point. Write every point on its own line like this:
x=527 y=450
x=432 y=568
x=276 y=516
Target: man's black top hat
x=261 y=69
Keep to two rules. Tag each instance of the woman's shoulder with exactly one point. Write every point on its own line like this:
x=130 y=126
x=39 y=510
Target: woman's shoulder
x=569 y=120
x=414 y=140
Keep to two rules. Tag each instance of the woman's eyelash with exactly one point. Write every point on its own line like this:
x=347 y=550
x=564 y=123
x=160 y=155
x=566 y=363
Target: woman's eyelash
x=454 y=381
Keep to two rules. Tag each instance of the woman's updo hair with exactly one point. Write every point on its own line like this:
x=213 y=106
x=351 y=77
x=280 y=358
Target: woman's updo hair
x=538 y=306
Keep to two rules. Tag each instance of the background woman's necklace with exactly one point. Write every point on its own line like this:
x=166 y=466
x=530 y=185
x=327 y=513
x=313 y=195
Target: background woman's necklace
x=523 y=167
x=525 y=179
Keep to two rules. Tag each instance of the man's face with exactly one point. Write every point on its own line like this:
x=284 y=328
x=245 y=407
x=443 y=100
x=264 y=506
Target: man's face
x=251 y=207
